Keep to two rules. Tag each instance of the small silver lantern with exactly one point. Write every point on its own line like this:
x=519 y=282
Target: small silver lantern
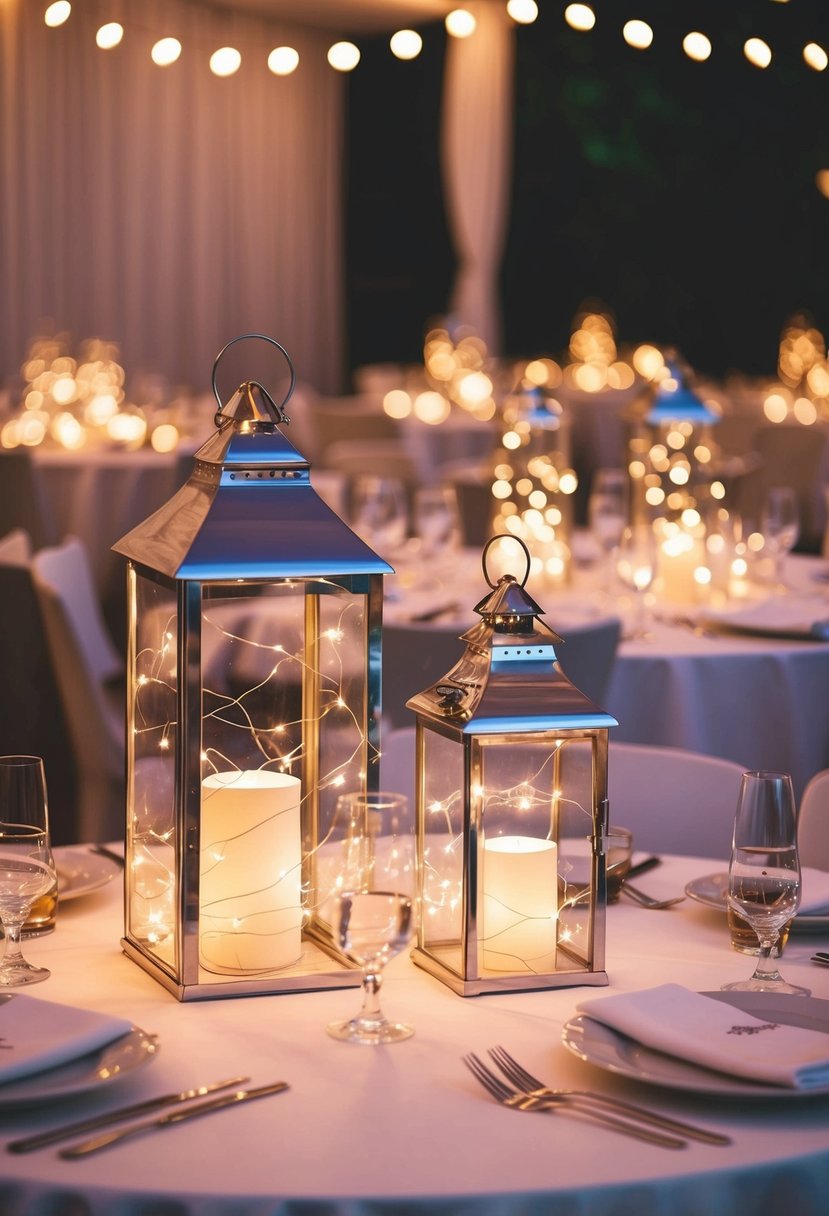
x=512 y=809
x=254 y=638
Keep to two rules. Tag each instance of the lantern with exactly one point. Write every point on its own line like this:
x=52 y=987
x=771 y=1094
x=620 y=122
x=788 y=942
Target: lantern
x=511 y=808
x=254 y=619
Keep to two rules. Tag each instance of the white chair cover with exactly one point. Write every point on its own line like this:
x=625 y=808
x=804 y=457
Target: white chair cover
x=813 y=823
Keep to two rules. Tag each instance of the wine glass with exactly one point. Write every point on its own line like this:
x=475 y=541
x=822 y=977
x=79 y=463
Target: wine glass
x=764 y=871
x=379 y=512
x=437 y=520
x=780 y=525
x=23 y=801
x=27 y=871
x=373 y=907
x=636 y=568
x=607 y=515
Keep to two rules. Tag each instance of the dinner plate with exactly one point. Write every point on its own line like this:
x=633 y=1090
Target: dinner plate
x=102 y=1067
x=81 y=871
x=712 y=890
x=615 y=1052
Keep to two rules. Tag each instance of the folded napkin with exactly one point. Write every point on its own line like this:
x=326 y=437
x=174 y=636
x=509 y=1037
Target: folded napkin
x=780 y=615
x=697 y=1028
x=814 y=892
x=36 y=1035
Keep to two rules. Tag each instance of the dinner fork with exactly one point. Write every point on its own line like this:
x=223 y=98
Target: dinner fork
x=536 y=1088
x=569 y=1103
x=646 y=901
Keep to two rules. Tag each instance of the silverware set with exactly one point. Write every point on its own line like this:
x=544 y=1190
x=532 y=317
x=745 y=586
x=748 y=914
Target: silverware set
x=83 y=1148
x=528 y=1093
x=821 y=957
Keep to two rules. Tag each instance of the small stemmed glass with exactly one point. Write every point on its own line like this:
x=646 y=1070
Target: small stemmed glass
x=607 y=516
x=781 y=527
x=27 y=868
x=636 y=568
x=373 y=909
x=764 y=871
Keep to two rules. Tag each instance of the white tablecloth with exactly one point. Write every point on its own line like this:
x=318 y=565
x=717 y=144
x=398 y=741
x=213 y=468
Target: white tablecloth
x=406 y=1128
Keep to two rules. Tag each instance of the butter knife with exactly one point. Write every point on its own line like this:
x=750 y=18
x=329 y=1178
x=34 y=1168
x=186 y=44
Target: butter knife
x=174 y=1116
x=41 y=1139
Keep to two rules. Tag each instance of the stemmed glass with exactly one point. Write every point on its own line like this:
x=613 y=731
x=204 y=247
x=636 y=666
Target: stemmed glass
x=764 y=872
x=607 y=515
x=379 y=512
x=636 y=568
x=27 y=868
x=781 y=526
x=437 y=520
x=373 y=908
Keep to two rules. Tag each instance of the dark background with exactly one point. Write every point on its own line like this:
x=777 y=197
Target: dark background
x=680 y=195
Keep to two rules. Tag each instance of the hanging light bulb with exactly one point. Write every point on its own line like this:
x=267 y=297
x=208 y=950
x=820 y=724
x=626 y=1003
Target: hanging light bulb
x=460 y=23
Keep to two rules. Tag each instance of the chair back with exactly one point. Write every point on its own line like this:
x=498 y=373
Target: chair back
x=23 y=503
x=88 y=671
x=813 y=822
x=674 y=801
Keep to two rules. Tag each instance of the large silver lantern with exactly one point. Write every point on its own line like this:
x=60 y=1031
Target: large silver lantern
x=254 y=625
x=511 y=784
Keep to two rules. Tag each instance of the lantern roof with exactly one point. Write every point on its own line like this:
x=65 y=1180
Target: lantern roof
x=510 y=679
x=248 y=509
x=674 y=399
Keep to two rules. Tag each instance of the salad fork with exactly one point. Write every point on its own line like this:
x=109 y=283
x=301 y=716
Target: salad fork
x=535 y=1088
x=570 y=1103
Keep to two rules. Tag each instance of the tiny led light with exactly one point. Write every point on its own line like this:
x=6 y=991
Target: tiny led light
x=815 y=56
x=109 y=35
x=406 y=44
x=165 y=52
x=580 y=16
x=283 y=60
x=822 y=181
x=225 y=61
x=57 y=13
x=522 y=11
x=344 y=56
x=460 y=23
x=637 y=34
x=697 y=46
x=757 y=52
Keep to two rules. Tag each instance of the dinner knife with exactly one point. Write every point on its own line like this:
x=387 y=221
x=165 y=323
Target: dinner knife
x=41 y=1139
x=642 y=867
x=85 y=1147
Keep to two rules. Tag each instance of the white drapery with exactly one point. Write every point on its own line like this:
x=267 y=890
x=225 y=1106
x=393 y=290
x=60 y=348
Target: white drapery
x=166 y=209
x=477 y=162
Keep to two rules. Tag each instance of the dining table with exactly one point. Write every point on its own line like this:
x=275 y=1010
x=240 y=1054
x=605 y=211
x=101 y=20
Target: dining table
x=405 y=1128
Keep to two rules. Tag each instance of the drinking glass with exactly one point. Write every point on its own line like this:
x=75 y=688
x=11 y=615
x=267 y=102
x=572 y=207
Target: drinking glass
x=607 y=515
x=636 y=568
x=780 y=525
x=23 y=800
x=379 y=512
x=437 y=520
x=373 y=908
x=764 y=871
x=27 y=871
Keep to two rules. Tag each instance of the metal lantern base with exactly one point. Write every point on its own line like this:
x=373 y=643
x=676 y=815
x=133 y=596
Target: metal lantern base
x=490 y=984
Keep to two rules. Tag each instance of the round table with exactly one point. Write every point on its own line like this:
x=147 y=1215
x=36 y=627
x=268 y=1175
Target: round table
x=406 y=1128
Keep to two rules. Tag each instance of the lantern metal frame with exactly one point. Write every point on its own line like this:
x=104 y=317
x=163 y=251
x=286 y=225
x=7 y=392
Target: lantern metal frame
x=246 y=524
x=507 y=690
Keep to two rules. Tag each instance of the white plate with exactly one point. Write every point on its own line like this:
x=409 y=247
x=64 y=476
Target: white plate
x=105 y=1066
x=712 y=890
x=616 y=1053
x=81 y=871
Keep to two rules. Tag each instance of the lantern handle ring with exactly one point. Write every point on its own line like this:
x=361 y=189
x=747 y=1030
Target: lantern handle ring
x=492 y=540
x=280 y=409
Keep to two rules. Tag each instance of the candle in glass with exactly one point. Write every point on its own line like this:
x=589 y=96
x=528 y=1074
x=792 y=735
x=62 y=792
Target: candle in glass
x=520 y=904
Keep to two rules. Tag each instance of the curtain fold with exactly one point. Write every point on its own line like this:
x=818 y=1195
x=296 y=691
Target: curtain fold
x=166 y=209
x=476 y=148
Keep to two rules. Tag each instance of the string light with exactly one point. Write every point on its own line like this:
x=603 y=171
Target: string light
x=343 y=56
x=283 y=60
x=580 y=16
x=637 y=34
x=109 y=35
x=524 y=12
x=696 y=46
x=815 y=56
x=406 y=44
x=165 y=52
x=225 y=62
x=460 y=23
x=57 y=13
x=757 y=52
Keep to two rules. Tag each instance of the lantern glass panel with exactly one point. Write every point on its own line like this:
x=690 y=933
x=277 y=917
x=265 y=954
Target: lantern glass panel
x=152 y=729
x=442 y=824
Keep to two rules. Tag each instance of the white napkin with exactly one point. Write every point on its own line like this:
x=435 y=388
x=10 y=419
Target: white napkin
x=690 y=1026
x=814 y=892
x=36 y=1035
x=785 y=615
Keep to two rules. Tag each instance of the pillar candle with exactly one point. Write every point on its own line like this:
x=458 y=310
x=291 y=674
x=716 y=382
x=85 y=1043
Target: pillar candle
x=520 y=904
x=250 y=904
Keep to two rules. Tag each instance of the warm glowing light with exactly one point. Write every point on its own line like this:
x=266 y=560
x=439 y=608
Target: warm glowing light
x=406 y=44
x=68 y=432
x=511 y=440
x=431 y=407
x=702 y=576
x=460 y=23
x=757 y=52
x=822 y=182
x=717 y=490
x=225 y=61
x=283 y=60
x=580 y=16
x=696 y=46
x=64 y=390
x=57 y=13
x=164 y=438
x=397 y=403
x=648 y=361
x=109 y=35
x=343 y=56
x=522 y=11
x=775 y=407
x=804 y=411
x=568 y=482
x=165 y=52
x=474 y=388
x=815 y=56
x=637 y=34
